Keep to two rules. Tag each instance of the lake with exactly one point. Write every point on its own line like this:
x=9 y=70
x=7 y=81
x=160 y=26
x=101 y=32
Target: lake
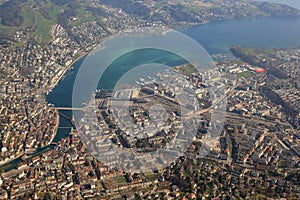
x=273 y=32
x=215 y=37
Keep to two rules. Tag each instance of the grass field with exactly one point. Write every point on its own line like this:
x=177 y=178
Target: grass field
x=32 y=16
x=5 y=29
x=186 y=69
x=121 y=180
x=152 y=176
x=245 y=74
x=84 y=15
x=43 y=28
x=196 y=6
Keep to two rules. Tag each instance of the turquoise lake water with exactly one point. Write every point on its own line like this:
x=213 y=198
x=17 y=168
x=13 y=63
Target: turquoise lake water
x=215 y=37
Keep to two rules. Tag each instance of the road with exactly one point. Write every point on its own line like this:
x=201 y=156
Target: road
x=224 y=97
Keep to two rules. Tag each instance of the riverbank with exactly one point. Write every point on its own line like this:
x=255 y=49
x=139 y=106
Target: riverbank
x=14 y=161
x=56 y=128
x=5 y=162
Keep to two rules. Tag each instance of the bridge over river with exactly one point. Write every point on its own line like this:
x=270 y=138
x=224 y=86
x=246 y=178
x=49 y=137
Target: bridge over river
x=70 y=108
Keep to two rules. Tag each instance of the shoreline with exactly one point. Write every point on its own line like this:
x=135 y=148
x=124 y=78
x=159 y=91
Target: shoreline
x=63 y=72
x=78 y=57
x=97 y=47
x=66 y=68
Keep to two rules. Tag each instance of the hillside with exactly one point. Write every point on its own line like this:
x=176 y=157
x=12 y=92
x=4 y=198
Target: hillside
x=38 y=16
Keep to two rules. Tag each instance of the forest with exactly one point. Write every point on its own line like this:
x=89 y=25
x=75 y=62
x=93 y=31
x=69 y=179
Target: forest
x=10 y=13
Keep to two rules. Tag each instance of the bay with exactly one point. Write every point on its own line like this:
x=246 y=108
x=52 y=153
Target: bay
x=215 y=37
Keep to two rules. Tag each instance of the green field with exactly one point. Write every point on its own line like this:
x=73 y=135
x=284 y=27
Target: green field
x=85 y=15
x=32 y=12
x=5 y=29
x=245 y=74
x=32 y=16
x=186 y=69
x=121 y=180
